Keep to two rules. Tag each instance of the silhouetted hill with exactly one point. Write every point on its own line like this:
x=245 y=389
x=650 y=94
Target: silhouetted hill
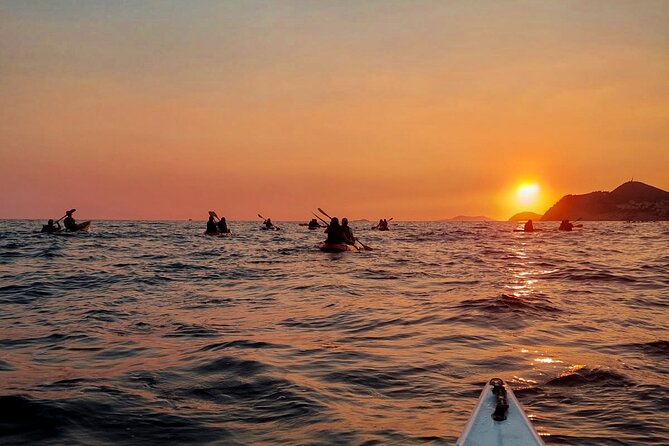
x=523 y=216
x=467 y=218
x=629 y=201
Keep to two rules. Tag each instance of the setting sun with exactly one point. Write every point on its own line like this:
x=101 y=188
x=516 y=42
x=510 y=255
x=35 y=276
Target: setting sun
x=527 y=194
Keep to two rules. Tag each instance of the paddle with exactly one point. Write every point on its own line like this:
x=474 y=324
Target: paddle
x=318 y=217
x=367 y=248
x=572 y=224
x=324 y=213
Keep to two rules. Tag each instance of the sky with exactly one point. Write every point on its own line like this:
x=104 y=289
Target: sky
x=416 y=110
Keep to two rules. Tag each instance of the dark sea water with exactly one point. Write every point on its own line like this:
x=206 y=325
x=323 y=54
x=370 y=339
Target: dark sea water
x=150 y=333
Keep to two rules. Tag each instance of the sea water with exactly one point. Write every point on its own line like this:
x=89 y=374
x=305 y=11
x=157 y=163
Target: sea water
x=151 y=332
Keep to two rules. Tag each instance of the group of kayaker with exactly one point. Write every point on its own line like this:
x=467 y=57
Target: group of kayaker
x=382 y=225
x=220 y=227
x=565 y=225
x=68 y=221
x=339 y=233
x=213 y=227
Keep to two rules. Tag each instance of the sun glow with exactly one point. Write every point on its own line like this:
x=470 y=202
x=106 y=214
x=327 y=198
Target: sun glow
x=527 y=194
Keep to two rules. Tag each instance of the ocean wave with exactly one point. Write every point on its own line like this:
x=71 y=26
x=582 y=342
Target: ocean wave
x=26 y=419
x=594 y=377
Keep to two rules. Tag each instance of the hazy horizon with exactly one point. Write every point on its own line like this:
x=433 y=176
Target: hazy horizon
x=421 y=110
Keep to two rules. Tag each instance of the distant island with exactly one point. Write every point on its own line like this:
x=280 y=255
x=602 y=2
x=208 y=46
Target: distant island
x=633 y=200
x=524 y=216
x=467 y=218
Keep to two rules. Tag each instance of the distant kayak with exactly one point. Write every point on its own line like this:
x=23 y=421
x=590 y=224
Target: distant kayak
x=336 y=247
x=522 y=230
x=310 y=226
x=570 y=228
x=381 y=228
x=273 y=228
x=218 y=234
x=498 y=419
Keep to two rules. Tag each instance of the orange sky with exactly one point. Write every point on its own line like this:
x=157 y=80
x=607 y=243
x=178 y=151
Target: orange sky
x=415 y=109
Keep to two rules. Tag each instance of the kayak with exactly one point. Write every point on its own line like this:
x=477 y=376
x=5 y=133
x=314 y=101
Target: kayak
x=336 y=247
x=380 y=228
x=498 y=419
x=533 y=230
x=273 y=228
x=218 y=234
x=45 y=230
x=85 y=227
x=569 y=228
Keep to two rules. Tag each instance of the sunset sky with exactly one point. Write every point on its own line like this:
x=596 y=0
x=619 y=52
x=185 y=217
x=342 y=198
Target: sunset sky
x=412 y=109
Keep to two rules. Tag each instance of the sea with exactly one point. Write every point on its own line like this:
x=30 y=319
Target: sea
x=152 y=333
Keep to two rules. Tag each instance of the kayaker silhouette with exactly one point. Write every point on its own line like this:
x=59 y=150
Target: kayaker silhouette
x=529 y=227
x=565 y=225
x=49 y=227
x=268 y=223
x=223 y=225
x=211 y=226
x=334 y=232
x=347 y=232
x=69 y=222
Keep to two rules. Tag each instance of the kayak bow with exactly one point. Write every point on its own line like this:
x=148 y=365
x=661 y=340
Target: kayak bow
x=84 y=227
x=498 y=420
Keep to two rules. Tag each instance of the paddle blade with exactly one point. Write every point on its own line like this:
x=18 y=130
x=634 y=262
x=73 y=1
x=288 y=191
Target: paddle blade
x=324 y=213
x=319 y=217
x=261 y=216
x=367 y=248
